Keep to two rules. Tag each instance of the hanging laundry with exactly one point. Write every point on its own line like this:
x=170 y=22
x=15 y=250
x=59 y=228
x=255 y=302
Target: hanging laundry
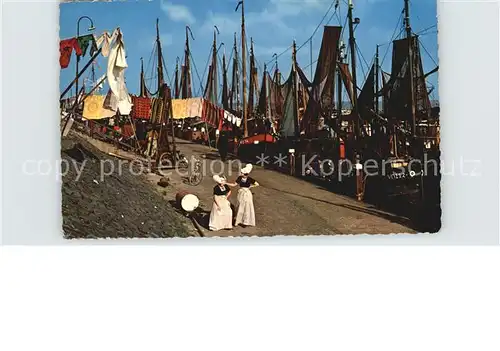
x=156 y=110
x=194 y=107
x=85 y=41
x=141 y=107
x=117 y=64
x=179 y=108
x=211 y=113
x=228 y=116
x=66 y=49
x=93 y=108
x=104 y=41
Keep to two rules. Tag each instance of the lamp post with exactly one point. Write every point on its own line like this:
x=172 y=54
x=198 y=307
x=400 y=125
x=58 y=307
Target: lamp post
x=91 y=28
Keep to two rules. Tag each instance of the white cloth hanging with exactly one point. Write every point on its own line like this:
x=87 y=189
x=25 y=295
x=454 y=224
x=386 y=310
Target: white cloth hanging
x=117 y=63
x=105 y=40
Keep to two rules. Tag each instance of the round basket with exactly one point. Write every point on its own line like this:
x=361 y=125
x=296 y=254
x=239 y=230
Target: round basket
x=188 y=202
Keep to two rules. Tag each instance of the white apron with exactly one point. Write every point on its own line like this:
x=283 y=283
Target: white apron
x=246 y=212
x=221 y=218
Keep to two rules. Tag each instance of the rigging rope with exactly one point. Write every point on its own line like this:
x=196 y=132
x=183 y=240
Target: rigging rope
x=360 y=55
x=196 y=70
x=422 y=45
x=321 y=22
x=359 y=59
x=392 y=38
x=206 y=66
x=310 y=38
x=426 y=29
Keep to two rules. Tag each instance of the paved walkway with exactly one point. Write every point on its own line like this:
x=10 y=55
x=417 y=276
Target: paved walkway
x=284 y=204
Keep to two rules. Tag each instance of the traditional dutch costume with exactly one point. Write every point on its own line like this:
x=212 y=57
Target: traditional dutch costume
x=221 y=216
x=245 y=214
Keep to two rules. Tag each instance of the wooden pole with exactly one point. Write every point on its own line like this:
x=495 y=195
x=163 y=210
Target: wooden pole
x=376 y=80
x=352 y=42
x=244 y=67
x=171 y=113
x=295 y=92
x=410 y=62
x=160 y=61
x=339 y=88
x=214 y=66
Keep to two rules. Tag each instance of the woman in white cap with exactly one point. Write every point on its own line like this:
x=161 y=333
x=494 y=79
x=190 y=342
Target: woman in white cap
x=245 y=214
x=221 y=216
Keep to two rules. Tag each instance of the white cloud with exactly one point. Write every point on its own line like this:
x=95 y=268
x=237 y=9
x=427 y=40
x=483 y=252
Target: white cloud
x=177 y=13
x=273 y=17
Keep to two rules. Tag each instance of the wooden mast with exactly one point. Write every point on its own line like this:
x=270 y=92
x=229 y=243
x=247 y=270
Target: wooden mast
x=410 y=63
x=339 y=85
x=160 y=61
x=376 y=80
x=186 y=88
x=244 y=66
x=265 y=91
x=224 y=81
x=176 y=82
x=142 y=92
x=352 y=42
x=252 y=90
x=295 y=92
x=236 y=75
x=214 y=66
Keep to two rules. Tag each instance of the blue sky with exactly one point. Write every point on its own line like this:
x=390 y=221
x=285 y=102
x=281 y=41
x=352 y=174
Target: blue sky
x=273 y=25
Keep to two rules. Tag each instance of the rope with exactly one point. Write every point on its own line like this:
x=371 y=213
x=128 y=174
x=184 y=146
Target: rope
x=423 y=47
x=308 y=39
x=165 y=67
x=360 y=55
x=196 y=70
x=359 y=59
x=319 y=24
x=206 y=65
x=392 y=38
x=428 y=33
x=426 y=29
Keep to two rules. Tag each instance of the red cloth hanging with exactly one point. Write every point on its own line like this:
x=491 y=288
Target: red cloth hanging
x=141 y=107
x=221 y=119
x=66 y=49
x=211 y=113
x=208 y=112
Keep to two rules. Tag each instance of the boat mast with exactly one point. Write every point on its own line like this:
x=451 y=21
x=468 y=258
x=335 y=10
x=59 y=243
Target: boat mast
x=352 y=42
x=264 y=74
x=176 y=92
x=410 y=64
x=252 y=90
x=214 y=66
x=186 y=88
x=236 y=77
x=142 y=92
x=224 y=81
x=376 y=79
x=295 y=93
x=339 y=85
x=244 y=66
x=376 y=85
x=160 y=61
